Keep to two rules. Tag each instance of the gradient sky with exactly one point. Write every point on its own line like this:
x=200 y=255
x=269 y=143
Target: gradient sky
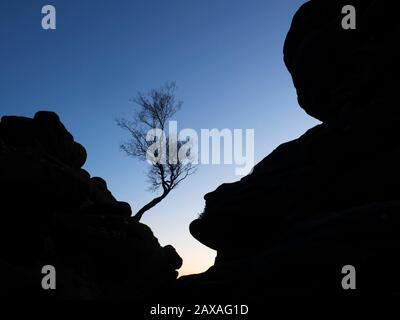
x=225 y=55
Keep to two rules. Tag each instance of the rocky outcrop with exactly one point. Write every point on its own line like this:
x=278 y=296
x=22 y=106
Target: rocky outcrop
x=341 y=72
x=54 y=213
x=329 y=198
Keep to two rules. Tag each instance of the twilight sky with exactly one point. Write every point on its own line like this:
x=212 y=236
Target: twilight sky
x=225 y=55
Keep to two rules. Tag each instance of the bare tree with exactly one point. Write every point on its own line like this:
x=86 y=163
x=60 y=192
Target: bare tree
x=167 y=170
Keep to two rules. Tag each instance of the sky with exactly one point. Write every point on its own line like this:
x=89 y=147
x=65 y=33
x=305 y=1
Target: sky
x=225 y=56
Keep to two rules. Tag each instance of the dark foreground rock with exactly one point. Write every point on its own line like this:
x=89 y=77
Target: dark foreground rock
x=330 y=198
x=54 y=213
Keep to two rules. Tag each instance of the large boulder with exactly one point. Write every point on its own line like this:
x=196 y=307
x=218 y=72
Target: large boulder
x=54 y=213
x=329 y=198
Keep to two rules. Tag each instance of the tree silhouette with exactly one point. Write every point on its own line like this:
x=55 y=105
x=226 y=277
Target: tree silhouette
x=167 y=170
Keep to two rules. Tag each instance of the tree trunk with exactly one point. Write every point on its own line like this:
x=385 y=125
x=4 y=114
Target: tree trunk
x=150 y=205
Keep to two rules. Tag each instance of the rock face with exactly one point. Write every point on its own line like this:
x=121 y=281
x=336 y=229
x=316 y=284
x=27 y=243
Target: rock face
x=329 y=198
x=54 y=213
x=339 y=72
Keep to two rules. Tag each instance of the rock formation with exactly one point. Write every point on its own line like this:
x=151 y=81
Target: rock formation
x=54 y=213
x=325 y=200
x=331 y=197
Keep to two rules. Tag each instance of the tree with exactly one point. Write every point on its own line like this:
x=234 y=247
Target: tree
x=167 y=170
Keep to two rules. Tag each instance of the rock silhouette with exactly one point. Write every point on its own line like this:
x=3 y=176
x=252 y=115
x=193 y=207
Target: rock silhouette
x=325 y=200
x=54 y=213
x=329 y=198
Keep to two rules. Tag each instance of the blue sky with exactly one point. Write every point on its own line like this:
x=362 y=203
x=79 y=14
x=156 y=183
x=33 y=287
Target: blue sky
x=225 y=55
